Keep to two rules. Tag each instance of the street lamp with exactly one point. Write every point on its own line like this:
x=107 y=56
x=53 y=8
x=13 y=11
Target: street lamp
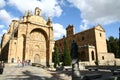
x=119 y=43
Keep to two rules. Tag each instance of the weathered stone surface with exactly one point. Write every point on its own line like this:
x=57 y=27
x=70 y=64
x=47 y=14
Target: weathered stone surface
x=29 y=39
x=91 y=45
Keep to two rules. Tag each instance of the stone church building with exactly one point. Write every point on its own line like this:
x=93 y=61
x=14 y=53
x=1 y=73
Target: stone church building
x=91 y=43
x=30 y=38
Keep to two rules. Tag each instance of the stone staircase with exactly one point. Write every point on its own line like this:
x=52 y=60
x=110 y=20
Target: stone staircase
x=82 y=67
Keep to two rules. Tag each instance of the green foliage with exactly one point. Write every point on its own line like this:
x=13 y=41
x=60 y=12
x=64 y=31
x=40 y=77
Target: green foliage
x=61 y=57
x=66 y=56
x=113 y=46
x=97 y=62
x=56 y=57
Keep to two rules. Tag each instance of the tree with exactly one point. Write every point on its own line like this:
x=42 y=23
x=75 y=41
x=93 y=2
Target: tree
x=97 y=62
x=56 y=57
x=113 y=46
x=66 y=55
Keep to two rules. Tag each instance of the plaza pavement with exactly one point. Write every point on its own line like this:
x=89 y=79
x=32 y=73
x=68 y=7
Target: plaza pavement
x=13 y=72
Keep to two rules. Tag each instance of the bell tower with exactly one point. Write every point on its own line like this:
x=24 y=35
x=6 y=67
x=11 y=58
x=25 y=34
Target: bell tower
x=70 y=30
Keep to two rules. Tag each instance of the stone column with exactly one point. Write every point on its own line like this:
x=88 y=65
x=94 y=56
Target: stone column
x=75 y=71
x=51 y=46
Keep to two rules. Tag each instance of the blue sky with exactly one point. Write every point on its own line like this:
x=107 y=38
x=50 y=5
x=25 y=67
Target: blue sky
x=83 y=14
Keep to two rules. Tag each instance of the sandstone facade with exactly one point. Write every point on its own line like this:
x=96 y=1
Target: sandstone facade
x=30 y=38
x=91 y=45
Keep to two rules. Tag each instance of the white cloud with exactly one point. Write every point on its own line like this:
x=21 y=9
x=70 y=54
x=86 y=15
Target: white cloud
x=59 y=31
x=2 y=3
x=5 y=16
x=4 y=31
x=102 y=11
x=2 y=26
x=1 y=36
x=84 y=25
x=49 y=7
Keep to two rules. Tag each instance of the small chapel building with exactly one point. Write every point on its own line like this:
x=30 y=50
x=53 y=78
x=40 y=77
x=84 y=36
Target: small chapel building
x=30 y=38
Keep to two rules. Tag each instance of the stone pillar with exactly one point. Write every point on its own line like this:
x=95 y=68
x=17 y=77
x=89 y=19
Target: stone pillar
x=75 y=61
x=76 y=72
x=51 y=46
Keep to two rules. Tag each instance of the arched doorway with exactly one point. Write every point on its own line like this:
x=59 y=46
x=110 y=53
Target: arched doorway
x=37 y=58
x=38 y=46
x=92 y=55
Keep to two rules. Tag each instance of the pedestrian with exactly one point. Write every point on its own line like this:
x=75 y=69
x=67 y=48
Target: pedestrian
x=19 y=62
x=29 y=62
x=12 y=60
x=26 y=62
x=23 y=63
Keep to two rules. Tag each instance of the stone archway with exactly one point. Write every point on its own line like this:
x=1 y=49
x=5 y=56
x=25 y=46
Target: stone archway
x=38 y=46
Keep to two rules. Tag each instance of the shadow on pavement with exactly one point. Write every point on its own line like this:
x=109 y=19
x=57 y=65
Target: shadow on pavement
x=104 y=74
x=61 y=75
x=30 y=76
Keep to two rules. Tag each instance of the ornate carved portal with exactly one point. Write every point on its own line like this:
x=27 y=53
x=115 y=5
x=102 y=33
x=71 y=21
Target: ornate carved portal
x=38 y=46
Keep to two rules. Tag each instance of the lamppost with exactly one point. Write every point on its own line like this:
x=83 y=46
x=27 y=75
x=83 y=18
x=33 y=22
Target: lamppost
x=75 y=62
x=119 y=43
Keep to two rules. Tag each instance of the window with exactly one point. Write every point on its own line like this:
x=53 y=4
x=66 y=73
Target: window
x=60 y=44
x=15 y=34
x=100 y=34
x=102 y=57
x=83 y=38
x=92 y=53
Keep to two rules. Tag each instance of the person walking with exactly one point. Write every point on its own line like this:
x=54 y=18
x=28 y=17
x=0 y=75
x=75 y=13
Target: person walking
x=19 y=62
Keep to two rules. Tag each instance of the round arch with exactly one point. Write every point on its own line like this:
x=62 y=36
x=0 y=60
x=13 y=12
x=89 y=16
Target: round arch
x=39 y=45
x=40 y=30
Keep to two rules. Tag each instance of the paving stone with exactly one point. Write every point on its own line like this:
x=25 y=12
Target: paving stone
x=26 y=73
